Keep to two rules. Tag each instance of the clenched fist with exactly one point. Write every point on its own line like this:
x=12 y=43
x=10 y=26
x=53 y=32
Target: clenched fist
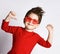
x=11 y=15
x=49 y=27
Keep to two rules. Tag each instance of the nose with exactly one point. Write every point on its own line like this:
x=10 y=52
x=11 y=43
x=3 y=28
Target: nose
x=31 y=22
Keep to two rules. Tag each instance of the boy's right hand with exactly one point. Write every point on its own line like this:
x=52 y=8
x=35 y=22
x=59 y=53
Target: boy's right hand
x=11 y=15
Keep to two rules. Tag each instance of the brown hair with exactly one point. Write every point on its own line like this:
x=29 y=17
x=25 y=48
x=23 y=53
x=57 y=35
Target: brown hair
x=36 y=10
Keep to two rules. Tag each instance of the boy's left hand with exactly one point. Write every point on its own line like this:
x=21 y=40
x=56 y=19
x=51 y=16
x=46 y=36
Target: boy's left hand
x=49 y=27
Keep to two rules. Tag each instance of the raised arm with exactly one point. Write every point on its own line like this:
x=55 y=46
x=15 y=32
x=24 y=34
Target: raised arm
x=5 y=24
x=50 y=33
x=48 y=42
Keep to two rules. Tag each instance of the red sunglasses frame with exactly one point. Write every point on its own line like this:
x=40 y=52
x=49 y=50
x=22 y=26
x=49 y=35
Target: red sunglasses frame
x=29 y=19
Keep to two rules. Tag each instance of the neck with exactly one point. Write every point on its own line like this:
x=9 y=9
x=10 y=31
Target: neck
x=29 y=30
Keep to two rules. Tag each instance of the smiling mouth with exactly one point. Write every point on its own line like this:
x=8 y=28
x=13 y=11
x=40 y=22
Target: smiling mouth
x=30 y=24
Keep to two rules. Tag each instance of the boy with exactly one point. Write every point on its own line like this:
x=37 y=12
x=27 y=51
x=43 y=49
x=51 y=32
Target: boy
x=24 y=39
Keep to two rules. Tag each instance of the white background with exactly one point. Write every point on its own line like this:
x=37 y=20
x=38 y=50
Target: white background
x=51 y=16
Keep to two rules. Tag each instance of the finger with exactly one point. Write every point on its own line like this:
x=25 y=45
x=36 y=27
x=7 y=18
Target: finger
x=13 y=13
x=49 y=25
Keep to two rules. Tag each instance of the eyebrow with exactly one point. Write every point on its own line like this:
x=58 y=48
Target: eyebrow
x=31 y=18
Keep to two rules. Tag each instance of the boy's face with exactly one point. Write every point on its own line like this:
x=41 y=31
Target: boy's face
x=31 y=21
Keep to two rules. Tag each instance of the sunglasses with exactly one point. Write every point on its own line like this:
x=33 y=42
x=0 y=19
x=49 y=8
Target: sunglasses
x=29 y=19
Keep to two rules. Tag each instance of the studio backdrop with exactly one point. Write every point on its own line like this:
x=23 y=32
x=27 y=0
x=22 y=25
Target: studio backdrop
x=51 y=16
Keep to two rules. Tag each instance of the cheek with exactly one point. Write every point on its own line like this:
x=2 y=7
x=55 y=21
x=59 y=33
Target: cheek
x=36 y=25
x=27 y=19
x=35 y=22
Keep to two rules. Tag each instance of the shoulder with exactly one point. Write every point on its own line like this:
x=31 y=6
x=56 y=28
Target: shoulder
x=37 y=35
x=18 y=28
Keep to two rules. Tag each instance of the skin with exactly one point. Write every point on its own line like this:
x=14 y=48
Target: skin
x=29 y=26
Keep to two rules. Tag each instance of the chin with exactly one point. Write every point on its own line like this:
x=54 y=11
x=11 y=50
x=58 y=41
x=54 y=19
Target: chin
x=30 y=28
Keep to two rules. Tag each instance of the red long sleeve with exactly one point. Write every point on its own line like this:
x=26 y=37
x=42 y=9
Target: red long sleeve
x=10 y=29
x=44 y=43
x=23 y=41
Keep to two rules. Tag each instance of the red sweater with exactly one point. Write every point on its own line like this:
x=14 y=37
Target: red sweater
x=23 y=41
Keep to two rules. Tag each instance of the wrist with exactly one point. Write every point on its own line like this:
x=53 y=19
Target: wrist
x=7 y=19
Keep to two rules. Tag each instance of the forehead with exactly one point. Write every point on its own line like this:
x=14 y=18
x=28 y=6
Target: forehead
x=33 y=16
